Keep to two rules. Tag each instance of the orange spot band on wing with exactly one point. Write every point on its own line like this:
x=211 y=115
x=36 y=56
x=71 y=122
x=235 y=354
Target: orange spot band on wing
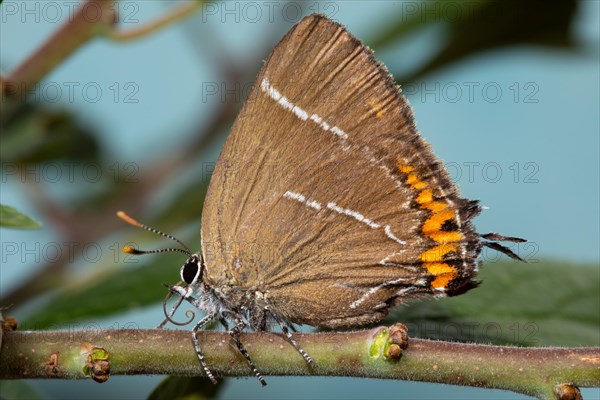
x=441 y=281
x=419 y=185
x=437 y=253
x=432 y=228
x=445 y=237
x=413 y=179
x=435 y=222
x=405 y=168
x=439 y=268
x=425 y=200
x=424 y=197
x=435 y=206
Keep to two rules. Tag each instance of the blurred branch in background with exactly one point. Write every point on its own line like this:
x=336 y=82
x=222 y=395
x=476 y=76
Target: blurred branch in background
x=77 y=31
x=179 y=13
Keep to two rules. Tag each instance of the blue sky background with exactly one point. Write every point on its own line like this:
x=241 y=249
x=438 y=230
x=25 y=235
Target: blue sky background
x=541 y=134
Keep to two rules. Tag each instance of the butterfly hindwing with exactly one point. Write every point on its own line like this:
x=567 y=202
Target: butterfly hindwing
x=325 y=199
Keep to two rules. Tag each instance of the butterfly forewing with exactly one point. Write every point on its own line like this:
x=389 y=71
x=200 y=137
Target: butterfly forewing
x=325 y=199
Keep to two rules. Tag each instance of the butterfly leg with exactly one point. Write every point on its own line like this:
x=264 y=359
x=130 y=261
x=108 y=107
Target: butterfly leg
x=208 y=318
x=184 y=294
x=291 y=339
x=235 y=336
x=169 y=316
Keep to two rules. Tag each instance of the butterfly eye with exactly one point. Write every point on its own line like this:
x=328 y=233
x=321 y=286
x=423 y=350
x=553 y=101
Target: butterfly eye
x=189 y=272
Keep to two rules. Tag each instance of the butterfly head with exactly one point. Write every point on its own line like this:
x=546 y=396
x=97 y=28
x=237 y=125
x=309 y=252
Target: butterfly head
x=192 y=270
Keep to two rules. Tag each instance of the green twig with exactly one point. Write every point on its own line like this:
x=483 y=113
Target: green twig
x=369 y=353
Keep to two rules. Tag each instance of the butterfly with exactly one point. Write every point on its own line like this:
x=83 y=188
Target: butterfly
x=326 y=207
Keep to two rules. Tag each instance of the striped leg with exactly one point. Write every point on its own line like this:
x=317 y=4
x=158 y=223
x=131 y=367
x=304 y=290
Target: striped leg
x=197 y=327
x=235 y=336
x=289 y=336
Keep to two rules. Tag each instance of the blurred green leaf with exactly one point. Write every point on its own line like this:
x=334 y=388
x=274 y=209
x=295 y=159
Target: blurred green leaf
x=17 y=390
x=534 y=304
x=417 y=15
x=186 y=388
x=476 y=26
x=33 y=134
x=12 y=218
x=115 y=290
x=189 y=201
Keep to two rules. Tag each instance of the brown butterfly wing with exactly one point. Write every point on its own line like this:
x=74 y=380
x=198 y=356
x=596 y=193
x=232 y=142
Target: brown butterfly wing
x=325 y=199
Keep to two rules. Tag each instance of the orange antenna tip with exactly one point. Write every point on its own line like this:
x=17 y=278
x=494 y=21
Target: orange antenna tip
x=130 y=250
x=128 y=219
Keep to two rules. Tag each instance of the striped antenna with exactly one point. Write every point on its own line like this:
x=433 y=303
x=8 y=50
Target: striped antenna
x=134 y=251
x=137 y=252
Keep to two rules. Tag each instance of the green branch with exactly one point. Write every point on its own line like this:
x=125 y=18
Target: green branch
x=375 y=353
